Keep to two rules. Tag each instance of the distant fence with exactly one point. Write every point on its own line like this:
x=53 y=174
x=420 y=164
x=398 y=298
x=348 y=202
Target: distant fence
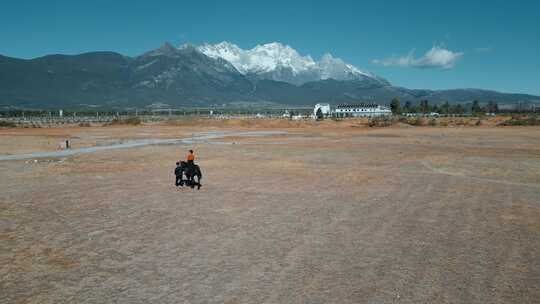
x=37 y=121
x=99 y=118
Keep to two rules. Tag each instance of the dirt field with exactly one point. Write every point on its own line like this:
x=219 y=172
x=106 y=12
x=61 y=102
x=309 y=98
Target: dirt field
x=323 y=214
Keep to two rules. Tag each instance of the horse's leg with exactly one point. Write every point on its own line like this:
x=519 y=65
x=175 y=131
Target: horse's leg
x=198 y=182
x=191 y=181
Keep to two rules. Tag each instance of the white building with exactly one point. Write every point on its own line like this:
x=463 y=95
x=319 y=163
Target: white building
x=362 y=110
x=325 y=109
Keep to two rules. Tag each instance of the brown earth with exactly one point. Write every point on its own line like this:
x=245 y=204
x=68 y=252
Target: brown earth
x=329 y=213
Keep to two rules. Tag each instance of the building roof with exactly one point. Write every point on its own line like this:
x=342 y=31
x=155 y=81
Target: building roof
x=358 y=105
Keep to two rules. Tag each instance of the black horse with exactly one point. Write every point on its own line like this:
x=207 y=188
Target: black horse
x=191 y=171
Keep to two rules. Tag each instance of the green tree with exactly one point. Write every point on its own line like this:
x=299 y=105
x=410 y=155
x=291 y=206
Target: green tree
x=407 y=108
x=475 y=108
x=424 y=106
x=492 y=107
x=395 y=106
x=445 y=108
x=319 y=114
x=458 y=109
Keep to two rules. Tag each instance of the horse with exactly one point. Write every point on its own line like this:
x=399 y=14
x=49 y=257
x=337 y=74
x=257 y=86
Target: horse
x=191 y=171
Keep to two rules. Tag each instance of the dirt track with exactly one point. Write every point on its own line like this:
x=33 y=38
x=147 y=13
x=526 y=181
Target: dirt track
x=321 y=215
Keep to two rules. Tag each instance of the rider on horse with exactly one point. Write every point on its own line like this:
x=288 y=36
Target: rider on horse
x=190 y=157
x=191 y=170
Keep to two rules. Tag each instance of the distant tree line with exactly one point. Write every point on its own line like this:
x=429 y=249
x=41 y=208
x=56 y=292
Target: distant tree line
x=424 y=107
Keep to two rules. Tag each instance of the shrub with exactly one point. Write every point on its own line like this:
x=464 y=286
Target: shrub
x=128 y=121
x=7 y=124
x=461 y=122
x=433 y=122
x=380 y=122
x=403 y=119
x=521 y=121
x=132 y=121
x=84 y=124
x=417 y=121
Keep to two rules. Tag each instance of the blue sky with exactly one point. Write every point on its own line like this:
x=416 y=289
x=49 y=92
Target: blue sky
x=474 y=44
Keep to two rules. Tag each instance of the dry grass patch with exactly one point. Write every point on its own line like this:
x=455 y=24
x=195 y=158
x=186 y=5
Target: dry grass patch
x=521 y=121
x=132 y=121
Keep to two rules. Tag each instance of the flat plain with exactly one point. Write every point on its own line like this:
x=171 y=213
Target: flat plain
x=320 y=214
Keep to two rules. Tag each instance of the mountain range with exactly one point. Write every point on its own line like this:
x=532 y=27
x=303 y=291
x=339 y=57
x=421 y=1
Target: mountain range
x=275 y=61
x=207 y=75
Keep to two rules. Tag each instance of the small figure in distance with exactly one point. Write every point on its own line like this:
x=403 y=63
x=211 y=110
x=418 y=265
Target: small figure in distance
x=190 y=168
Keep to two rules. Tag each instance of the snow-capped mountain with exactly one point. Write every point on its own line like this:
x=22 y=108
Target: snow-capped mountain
x=279 y=62
x=185 y=76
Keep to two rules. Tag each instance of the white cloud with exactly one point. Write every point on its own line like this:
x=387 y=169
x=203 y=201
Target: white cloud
x=437 y=57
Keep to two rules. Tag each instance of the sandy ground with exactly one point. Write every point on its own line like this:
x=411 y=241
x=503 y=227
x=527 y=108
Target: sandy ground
x=320 y=215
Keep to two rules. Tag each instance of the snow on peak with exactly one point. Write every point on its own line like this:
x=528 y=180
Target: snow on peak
x=260 y=59
x=270 y=56
x=228 y=51
x=271 y=59
x=336 y=68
